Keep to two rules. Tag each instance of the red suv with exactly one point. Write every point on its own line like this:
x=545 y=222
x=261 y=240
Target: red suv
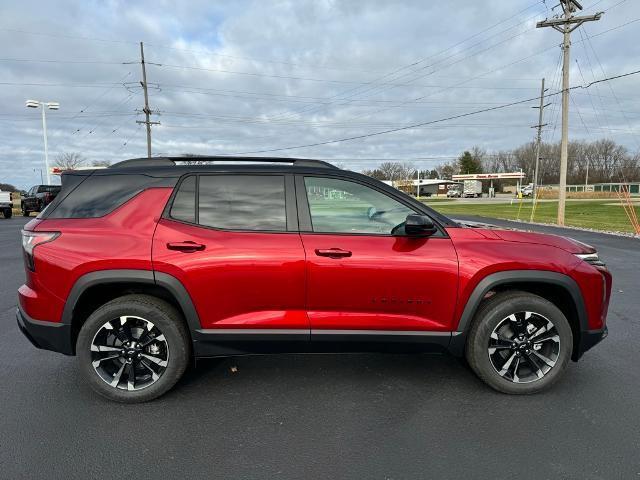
x=139 y=267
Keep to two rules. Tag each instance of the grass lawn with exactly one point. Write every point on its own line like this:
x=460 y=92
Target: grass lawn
x=597 y=214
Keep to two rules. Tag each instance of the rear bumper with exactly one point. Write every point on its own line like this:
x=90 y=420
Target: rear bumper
x=46 y=335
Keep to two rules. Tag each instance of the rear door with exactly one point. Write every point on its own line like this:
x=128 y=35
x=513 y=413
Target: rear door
x=232 y=240
x=365 y=276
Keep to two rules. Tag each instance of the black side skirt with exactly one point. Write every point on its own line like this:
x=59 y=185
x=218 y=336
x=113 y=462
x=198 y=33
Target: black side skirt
x=225 y=342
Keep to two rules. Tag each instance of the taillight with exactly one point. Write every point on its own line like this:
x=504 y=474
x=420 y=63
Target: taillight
x=30 y=240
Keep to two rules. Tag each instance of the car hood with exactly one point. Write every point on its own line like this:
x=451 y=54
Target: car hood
x=523 y=236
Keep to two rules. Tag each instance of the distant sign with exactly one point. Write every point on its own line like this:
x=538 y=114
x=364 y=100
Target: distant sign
x=489 y=176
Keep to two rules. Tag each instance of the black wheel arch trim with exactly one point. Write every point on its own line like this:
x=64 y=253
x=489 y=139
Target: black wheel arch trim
x=148 y=277
x=514 y=277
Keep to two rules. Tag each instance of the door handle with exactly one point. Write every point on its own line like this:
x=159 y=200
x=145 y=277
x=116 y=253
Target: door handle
x=187 y=246
x=332 y=252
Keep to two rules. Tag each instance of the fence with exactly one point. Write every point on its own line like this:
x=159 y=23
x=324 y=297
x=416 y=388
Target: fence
x=633 y=188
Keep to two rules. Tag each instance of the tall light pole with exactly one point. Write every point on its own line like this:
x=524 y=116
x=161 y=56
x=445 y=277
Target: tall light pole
x=44 y=106
x=566 y=24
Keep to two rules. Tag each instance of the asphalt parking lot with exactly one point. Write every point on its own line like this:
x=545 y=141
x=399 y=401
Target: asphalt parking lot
x=327 y=416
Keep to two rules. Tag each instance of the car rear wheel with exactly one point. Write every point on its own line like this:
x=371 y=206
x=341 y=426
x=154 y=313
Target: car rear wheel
x=519 y=343
x=25 y=213
x=133 y=349
x=7 y=213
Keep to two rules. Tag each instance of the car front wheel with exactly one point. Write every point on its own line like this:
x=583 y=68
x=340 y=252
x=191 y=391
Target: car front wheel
x=519 y=343
x=133 y=349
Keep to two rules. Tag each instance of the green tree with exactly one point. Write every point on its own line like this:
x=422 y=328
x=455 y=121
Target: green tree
x=468 y=163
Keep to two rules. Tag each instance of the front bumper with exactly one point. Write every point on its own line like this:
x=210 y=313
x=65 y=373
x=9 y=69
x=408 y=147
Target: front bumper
x=588 y=339
x=46 y=335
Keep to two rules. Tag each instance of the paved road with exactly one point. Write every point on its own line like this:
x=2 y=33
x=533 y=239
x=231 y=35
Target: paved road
x=329 y=416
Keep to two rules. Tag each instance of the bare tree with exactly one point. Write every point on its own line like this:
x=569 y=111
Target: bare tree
x=69 y=160
x=606 y=161
x=446 y=170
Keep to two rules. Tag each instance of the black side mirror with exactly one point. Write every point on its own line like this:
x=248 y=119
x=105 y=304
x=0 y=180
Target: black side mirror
x=419 y=225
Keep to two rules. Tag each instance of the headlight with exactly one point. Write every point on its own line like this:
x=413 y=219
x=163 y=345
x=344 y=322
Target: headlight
x=591 y=258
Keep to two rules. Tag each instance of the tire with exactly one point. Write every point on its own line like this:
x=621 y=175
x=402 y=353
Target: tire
x=25 y=213
x=154 y=372
x=519 y=357
x=8 y=213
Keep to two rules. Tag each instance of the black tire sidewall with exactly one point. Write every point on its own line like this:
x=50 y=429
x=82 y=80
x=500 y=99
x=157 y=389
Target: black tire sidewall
x=494 y=312
x=165 y=317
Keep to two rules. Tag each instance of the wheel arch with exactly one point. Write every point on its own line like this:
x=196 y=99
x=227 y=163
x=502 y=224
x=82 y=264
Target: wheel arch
x=97 y=288
x=558 y=288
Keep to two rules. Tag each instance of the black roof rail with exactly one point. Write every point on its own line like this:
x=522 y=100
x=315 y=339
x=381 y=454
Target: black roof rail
x=165 y=161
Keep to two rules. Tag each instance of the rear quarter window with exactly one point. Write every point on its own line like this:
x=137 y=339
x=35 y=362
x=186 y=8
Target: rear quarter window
x=99 y=195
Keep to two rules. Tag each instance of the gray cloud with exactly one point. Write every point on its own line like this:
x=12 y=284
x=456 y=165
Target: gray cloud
x=275 y=74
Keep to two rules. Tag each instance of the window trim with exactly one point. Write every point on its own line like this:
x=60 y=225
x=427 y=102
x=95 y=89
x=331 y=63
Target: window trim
x=304 y=210
x=291 y=218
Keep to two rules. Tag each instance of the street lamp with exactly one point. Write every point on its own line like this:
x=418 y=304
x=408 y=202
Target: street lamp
x=50 y=106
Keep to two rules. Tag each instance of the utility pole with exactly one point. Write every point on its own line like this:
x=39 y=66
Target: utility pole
x=566 y=24
x=146 y=109
x=538 y=141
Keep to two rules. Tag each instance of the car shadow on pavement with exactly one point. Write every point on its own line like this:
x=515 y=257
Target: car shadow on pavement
x=339 y=370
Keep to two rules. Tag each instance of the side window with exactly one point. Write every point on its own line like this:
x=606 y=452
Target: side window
x=100 y=194
x=242 y=202
x=184 y=203
x=340 y=206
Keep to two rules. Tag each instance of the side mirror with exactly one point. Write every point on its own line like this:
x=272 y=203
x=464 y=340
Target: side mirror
x=419 y=225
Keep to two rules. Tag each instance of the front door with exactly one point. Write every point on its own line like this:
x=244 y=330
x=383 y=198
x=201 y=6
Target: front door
x=365 y=276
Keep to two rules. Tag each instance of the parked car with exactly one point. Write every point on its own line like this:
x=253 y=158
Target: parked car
x=527 y=190
x=138 y=268
x=38 y=197
x=6 y=204
x=454 y=192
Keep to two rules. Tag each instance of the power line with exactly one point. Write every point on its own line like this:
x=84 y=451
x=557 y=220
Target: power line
x=430 y=122
x=609 y=85
x=373 y=85
x=493 y=69
x=66 y=85
x=91 y=62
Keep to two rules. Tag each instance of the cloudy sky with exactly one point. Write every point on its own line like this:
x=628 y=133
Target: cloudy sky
x=229 y=77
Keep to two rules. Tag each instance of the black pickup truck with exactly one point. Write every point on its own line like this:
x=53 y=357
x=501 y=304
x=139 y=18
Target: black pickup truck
x=38 y=197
